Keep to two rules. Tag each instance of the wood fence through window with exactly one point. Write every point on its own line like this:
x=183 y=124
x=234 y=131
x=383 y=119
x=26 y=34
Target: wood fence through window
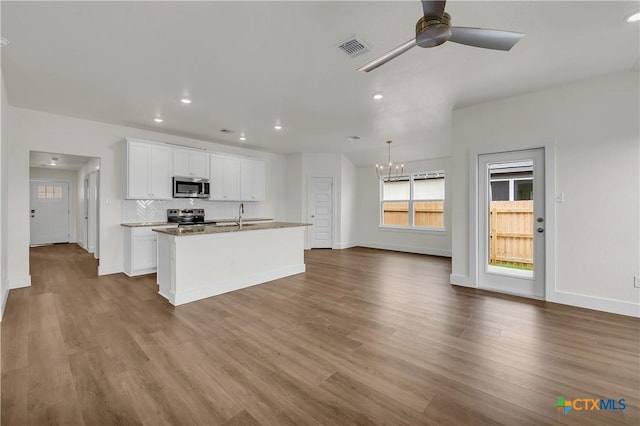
x=428 y=214
x=511 y=234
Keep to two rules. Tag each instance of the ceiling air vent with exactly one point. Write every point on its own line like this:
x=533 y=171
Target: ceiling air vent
x=353 y=47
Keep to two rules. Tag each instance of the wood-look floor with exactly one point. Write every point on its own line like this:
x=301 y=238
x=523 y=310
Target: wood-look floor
x=363 y=337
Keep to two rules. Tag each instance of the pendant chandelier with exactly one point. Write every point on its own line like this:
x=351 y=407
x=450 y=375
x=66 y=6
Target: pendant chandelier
x=391 y=174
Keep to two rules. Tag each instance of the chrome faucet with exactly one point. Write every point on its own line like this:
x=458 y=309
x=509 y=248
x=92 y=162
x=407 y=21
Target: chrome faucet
x=240 y=213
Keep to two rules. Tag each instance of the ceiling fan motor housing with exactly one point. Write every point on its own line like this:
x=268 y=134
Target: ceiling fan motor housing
x=431 y=32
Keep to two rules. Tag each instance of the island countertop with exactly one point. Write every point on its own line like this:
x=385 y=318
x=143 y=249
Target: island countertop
x=227 y=220
x=217 y=229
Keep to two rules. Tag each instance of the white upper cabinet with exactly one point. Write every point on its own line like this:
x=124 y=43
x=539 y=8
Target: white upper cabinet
x=190 y=163
x=149 y=169
x=225 y=178
x=252 y=179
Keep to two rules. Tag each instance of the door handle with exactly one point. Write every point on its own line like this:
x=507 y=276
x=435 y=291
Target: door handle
x=540 y=230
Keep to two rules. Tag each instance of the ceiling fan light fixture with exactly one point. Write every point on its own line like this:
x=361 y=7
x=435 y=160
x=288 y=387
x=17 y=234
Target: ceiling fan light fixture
x=185 y=100
x=635 y=17
x=243 y=138
x=277 y=127
x=158 y=120
x=377 y=96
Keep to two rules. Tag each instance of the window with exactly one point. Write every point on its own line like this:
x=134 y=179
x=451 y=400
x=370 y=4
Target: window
x=511 y=181
x=414 y=201
x=49 y=191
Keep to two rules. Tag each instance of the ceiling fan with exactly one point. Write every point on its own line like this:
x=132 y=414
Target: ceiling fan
x=434 y=28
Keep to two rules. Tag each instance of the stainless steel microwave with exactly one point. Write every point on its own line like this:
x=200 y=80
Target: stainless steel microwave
x=190 y=187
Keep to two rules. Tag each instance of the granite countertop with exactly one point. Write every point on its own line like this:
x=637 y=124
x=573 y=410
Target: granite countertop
x=218 y=229
x=141 y=224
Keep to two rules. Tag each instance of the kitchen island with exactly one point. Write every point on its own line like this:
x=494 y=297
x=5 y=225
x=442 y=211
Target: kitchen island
x=197 y=262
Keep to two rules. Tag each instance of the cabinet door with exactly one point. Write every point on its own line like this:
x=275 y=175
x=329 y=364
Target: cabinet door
x=161 y=173
x=138 y=157
x=232 y=178
x=252 y=181
x=144 y=253
x=216 y=184
x=181 y=162
x=199 y=164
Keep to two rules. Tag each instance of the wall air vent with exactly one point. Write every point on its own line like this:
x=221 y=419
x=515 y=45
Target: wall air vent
x=353 y=47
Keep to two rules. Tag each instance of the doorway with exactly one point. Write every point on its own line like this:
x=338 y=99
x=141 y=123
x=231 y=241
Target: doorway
x=511 y=222
x=49 y=212
x=321 y=212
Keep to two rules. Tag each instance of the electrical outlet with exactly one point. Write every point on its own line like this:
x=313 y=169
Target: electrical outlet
x=636 y=281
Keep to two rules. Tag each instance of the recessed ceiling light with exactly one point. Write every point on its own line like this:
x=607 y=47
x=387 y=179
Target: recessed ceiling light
x=277 y=127
x=243 y=138
x=377 y=96
x=4 y=42
x=158 y=120
x=353 y=138
x=185 y=100
x=634 y=18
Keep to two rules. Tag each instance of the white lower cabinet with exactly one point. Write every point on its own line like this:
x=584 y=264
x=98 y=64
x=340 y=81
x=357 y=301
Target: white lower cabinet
x=141 y=250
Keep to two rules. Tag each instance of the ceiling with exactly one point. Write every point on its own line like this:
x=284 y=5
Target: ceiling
x=62 y=161
x=248 y=65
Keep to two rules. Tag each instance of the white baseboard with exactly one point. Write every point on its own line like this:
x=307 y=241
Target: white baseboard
x=406 y=249
x=345 y=245
x=109 y=269
x=5 y=296
x=231 y=285
x=81 y=244
x=20 y=282
x=91 y=249
x=596 y=303
x=461 y=280
x=571 y=299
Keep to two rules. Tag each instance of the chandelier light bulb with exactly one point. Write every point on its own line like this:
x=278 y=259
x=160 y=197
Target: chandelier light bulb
x=391 y=175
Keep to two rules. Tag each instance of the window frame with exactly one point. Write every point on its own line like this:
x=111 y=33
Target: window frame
x=411 y=211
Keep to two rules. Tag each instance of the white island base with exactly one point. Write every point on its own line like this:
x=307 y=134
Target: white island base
x=193 y=266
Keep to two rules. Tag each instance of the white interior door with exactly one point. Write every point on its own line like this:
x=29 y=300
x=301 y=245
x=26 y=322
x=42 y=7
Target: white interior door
x=85 y=203
x=321 y=212
x=92 y=213
x=49 y=212
x=511 y=222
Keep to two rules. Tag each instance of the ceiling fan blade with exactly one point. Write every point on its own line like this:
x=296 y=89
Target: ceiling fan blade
x=433 y=8
x=370 y=66
x=485 y=38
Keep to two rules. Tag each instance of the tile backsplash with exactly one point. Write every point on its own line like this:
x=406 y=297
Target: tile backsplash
x=156 y=210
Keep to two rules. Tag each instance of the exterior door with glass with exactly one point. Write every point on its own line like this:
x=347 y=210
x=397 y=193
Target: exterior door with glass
x=511 y=222
x=49 y=212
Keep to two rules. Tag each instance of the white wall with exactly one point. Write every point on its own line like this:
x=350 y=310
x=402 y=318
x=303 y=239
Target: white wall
x=63 y=175
x=4 y=143
x=92 y=166
x=293 y=188
x=348 y=204
x=594 y=126
x=39 y=131
x=371 y=235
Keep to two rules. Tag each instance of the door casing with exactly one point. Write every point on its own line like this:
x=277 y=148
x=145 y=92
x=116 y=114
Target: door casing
x=471 y=280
